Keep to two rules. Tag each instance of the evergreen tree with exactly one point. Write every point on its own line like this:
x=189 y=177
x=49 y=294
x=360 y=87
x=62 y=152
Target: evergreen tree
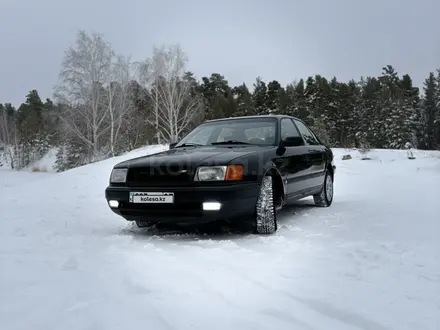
x=243 y=99
x=300 y=105
x=411 y=110
x=311 y=91
x=274 y=97
x=400 y=120
x=31 y=130
x=429 y=112
x=216 y=93
x=260 y=97
x=437 y=110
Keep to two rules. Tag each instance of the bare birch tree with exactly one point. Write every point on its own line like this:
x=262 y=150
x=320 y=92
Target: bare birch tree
x=8 y=136
x=118 y=101
x=174 y=105
x=147 y=76
x=85 y=71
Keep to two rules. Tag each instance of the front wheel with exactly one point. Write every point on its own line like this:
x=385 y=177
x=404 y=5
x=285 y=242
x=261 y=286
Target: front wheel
x=325 y=197
x=265 y=214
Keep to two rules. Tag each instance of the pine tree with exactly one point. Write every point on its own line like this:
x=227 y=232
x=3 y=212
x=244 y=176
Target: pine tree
x=437 y=110
x=259 y=97
x=400 y=118
x=429 y=112
x=31 y=129
x=310 y=93
x=330 y=118
x=299 y=99
x=387 y=112
x=216 y=93
x=411 y=110
x=243 y=98
x=274 y=97
x=369 y=121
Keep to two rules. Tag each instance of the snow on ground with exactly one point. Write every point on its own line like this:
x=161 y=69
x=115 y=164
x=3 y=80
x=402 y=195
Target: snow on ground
x=10 y=178
x=371 y=261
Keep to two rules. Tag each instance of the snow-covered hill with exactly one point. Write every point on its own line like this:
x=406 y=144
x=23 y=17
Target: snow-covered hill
x=371 y=261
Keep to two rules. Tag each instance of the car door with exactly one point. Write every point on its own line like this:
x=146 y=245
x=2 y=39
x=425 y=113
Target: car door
x=316 y=156
x=292 y=163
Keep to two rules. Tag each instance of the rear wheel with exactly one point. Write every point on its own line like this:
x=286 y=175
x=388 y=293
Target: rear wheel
x=265 y=214
x=325 y=197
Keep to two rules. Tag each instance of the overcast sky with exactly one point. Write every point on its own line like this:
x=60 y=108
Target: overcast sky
x=241 y=39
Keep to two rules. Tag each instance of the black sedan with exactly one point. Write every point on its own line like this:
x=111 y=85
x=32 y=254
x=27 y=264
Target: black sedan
x=241 y=169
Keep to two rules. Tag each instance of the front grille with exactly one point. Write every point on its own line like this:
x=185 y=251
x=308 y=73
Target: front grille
x=169 y=175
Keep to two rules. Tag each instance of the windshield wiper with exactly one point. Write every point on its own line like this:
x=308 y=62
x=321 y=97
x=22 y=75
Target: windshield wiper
x=189 y=145
x=230 y=142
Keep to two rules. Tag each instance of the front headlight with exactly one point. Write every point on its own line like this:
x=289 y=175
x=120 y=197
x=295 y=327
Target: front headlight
x=119 y=175
x=219 y=173
x=211 y=173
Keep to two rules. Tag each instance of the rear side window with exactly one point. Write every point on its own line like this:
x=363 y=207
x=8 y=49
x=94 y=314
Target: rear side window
x=288 y=129
x=306 y=133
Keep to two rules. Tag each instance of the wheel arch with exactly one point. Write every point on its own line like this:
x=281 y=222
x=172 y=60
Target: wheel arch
x=330 y=168
x=279 y=186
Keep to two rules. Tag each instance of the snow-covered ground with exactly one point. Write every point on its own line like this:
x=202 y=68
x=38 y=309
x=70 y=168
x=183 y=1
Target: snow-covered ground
x=10 y=179
x=371 y=261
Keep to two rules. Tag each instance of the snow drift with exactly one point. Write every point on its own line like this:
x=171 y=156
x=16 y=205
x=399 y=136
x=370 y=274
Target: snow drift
x=370 y=261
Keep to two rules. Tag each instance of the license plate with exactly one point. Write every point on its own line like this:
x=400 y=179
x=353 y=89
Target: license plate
x=152 y=197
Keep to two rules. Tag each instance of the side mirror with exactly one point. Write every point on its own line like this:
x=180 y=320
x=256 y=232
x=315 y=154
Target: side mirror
x=172 y=145
x=293 y=141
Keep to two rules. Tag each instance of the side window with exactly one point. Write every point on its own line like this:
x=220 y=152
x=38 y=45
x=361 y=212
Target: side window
x=288 y=129
x=306 y=133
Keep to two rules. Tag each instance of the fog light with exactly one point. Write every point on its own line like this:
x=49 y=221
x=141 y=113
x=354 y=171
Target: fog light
x=113 y=204
x=211 y=206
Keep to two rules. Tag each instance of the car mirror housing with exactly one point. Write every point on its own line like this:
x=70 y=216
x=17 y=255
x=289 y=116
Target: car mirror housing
x=293 y=141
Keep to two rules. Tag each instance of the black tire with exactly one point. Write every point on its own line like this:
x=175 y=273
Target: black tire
x=325 y=197
x=265 y=213
x=143 y=224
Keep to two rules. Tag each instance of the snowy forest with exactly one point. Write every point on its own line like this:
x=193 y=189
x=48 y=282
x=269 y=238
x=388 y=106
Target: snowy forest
x=105 y=104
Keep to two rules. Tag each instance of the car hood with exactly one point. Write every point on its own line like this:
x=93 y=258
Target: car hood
x=192 y=156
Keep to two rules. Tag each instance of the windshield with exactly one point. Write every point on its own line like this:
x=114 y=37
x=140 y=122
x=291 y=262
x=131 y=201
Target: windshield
x=236 y=131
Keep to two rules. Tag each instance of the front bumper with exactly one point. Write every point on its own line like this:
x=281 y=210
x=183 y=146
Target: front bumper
x=236 y=200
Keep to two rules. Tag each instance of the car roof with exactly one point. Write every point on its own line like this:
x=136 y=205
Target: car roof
x=251 y=117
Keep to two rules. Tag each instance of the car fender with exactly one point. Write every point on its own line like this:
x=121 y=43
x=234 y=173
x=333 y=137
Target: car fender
x=330 y=160
x=332 y=164
x=272 y=167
